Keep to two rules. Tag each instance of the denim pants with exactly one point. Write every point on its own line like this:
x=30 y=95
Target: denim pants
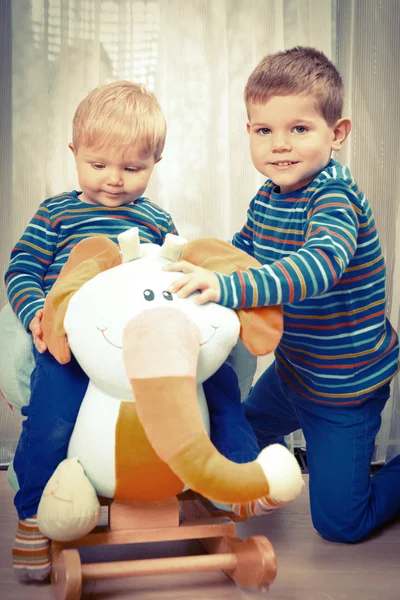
x=57 y=392
x=230 y=431
x=346 y=503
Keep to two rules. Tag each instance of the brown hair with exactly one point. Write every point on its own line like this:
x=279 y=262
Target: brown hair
x=120 y=114
x=298 y=71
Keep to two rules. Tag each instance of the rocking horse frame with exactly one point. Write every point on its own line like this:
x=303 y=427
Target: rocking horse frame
x=250 y=562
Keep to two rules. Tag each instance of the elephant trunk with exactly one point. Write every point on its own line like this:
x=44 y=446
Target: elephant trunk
x=161 y=348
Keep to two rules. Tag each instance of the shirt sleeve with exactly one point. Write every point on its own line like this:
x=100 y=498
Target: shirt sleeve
x=30 y=260
x=171 y=226
x=168 y=227
x=244 y=239
x=330 y=241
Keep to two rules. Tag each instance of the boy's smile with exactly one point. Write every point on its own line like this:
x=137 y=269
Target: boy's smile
x=290 y=141
x=283 y=164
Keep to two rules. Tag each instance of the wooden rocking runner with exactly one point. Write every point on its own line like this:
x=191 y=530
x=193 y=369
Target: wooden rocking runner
x=249 y=562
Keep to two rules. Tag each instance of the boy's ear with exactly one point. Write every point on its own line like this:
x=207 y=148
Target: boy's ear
x=72 y=148
x=341 y=130
x=248 y=126
x=158 y=160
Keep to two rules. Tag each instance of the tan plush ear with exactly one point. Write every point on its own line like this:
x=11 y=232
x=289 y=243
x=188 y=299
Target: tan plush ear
x=262 y=327
x=90 y=257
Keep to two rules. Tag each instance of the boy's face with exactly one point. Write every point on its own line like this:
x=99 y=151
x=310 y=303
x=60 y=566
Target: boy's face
x=111 y=177
x=290 y=142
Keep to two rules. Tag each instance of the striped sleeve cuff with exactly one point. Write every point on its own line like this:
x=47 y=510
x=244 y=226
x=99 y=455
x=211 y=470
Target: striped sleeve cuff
x=228 y=296
x=27 y=311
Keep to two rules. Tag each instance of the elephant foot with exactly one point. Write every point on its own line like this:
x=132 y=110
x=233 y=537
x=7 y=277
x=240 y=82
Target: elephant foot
x=69 y=507
x=283 y=474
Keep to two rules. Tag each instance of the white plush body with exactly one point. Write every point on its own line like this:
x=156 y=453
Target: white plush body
x=95 y=321
x=95 y=446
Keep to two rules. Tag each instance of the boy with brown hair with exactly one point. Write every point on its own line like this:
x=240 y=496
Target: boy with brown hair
x=312 y=229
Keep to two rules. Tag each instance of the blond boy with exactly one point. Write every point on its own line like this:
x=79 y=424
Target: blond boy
x=118 y=136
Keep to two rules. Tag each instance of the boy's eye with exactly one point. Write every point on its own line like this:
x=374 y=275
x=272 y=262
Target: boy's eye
x=264 y=131
x=131 y=169
x=300 y=129
x=98 y=166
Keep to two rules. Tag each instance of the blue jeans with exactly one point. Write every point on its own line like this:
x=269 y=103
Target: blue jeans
x=57 y=392
x=346 y=503
x=230 y=431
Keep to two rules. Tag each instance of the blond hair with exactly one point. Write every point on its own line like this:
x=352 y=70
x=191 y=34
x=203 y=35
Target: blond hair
x=298 y=71
x=120 y=114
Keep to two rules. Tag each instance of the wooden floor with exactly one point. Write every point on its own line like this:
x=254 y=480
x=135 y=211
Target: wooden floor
x=309 y=568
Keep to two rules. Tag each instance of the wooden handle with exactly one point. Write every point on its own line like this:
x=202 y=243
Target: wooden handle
x=159 y=566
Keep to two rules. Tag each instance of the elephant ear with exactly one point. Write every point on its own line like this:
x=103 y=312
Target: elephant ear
x=90 y=257
x=261 y=328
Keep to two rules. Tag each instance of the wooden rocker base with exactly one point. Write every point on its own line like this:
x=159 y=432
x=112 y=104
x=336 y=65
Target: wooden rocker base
x=250 y=563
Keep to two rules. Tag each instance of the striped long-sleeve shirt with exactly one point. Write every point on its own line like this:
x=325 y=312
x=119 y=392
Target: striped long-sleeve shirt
x=58 y=225
x=322 y=260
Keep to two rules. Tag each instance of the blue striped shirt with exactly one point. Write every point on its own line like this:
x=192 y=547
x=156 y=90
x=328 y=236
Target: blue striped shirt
x=58 y=225
x=322 y=260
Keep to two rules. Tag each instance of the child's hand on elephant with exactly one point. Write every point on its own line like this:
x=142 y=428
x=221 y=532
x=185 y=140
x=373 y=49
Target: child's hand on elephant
x=35 y=327
x=195 y=278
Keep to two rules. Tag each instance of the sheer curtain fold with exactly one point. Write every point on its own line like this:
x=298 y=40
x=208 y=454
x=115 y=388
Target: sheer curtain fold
x=196 y=55
x=368 y=50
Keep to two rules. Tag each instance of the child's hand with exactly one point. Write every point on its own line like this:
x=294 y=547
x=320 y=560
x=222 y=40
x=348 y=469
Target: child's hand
x=35 y=328
x=195 y=278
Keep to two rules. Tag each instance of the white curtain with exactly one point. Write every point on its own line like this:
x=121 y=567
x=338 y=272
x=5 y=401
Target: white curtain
x=196 y=55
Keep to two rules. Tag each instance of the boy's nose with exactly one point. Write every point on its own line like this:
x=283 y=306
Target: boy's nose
x=280 y=142
x=114 y=178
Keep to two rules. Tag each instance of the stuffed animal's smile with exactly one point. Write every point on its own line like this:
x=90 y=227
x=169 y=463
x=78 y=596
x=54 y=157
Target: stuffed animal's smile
x=102 y=331
x=106 y=338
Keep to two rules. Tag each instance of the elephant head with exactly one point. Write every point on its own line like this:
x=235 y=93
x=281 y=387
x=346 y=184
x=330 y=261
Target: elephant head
x=138 y=342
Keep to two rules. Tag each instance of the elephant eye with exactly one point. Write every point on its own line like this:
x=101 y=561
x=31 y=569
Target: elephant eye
x=167 y=295
x=148 y=295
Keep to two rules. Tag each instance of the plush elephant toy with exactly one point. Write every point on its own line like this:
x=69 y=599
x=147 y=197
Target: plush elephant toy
x=142 y=430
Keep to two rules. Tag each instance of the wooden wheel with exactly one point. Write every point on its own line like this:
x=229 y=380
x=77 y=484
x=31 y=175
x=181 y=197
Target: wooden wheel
x=256 y=562
x=66 y=576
